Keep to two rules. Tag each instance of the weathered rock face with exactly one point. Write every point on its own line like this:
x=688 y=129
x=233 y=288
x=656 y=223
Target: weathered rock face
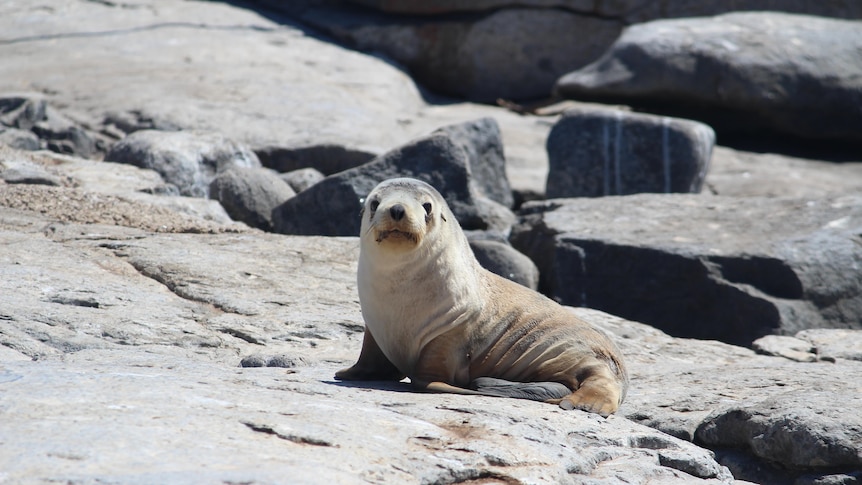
x=513 y=53
x=789 y=74
x=187 y=160
x=706 y=267
x=597 y=152
x=629 y=10
x=332 y=206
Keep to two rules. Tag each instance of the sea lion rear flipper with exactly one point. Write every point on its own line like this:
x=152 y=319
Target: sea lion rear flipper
x=534 y=391
x=372 y=365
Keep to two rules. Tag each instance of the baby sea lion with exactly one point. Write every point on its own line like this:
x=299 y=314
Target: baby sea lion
x=433 y=314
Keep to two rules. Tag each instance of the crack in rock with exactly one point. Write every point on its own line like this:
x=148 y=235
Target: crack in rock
x=142 y=28
x=295 y=438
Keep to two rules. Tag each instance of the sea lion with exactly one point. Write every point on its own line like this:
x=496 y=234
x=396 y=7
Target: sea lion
x=433 y=314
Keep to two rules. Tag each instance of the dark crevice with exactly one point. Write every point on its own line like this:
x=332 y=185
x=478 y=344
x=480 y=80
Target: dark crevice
x=302 y=440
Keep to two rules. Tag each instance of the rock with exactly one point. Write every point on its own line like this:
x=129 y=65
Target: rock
x=596 y=152
x=20 y=139
x=250 y=194
x=188 y=160
x=481 y=141
x=482 y=57
x=63 y=135
x=784 y=429
x=504 y=260
x=736 y=173
x=684 y=386
x=631 y=11
x=779 y=264
x=118 y=310
x=790 y=74
x=22 y=111
x=332 y=207
x=834 y=343
x=326 y=158
x=783 y=346
x=303 y=178
x=22 y=171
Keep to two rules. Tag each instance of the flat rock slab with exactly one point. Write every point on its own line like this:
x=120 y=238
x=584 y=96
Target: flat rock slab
x=732 y=269
x=139 y=337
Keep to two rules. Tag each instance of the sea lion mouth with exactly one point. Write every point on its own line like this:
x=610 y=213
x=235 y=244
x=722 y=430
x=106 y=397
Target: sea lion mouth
x=396 y=234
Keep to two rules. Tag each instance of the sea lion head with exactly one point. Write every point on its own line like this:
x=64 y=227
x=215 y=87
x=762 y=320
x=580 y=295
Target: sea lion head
x=399 y=213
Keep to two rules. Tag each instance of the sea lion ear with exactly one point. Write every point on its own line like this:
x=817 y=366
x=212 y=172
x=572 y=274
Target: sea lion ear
x=443 y=216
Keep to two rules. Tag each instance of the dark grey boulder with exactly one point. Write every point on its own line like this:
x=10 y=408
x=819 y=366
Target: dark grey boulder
x=22 y=111
x=595 y=152
x=250 y=194
x=326 y=157
x=331 y=207
x=731 y=269
x=506 y=261
x=302 y=178
x=482 y=142
x=188 y=160
x=61 y=134
x=789 y=74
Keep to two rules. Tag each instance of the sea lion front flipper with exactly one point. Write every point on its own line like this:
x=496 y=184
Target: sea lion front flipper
x=534 y=391
x=372 y=365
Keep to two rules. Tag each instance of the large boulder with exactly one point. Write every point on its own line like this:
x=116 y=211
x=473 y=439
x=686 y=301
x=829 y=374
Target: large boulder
x=594 y=152
x=188 y=160
x=789 y=74
x=732 y=269
x=332 y=207
x=250 y=194
x=482 y=142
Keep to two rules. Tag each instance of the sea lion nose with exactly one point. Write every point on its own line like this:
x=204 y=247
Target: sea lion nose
x=397 y=212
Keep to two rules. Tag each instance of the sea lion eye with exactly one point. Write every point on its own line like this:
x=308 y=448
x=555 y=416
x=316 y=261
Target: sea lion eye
x=374 y=204
x=427 y=207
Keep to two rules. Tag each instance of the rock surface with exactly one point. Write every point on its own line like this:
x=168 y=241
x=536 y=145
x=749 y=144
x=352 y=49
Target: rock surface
x=599 y=152
x=134 y=329
x=732 y=269
x=331 y=207
x=790 y=74
x=190 y=161
x=250 y=194
x=628 y=10
x=512 y=53
x=147 y=338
